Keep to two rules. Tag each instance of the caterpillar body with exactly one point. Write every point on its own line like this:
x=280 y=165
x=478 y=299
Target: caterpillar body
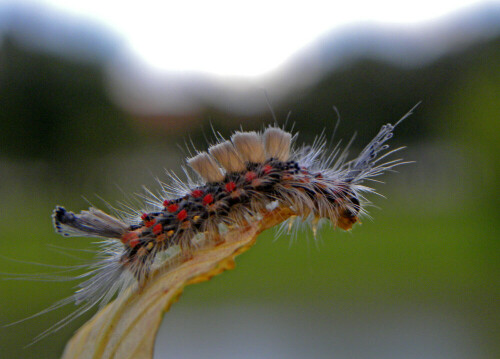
x=239 y=181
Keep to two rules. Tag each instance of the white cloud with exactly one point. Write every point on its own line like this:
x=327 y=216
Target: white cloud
x=231 y=38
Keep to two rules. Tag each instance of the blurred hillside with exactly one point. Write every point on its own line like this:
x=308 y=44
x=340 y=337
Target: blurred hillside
x=57 y=111
x=54 y=105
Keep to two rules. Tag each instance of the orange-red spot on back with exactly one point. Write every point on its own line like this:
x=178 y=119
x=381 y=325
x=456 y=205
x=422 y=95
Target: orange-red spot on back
x=267 y=169
x=250 y=176
x=182 y=215
x=144 y=216
x=129 y=236
x=166 y=203
x=134 y=242
x=230 y=186
x=173 y=208
x=197 y=193
x=208 y=199
x=157 y=229
x=150 y=223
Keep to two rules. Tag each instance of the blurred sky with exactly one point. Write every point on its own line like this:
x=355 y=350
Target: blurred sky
x=231 y=38
x=174 y=57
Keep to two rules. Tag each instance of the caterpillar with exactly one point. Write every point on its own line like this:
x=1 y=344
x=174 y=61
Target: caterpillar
x=238 y=181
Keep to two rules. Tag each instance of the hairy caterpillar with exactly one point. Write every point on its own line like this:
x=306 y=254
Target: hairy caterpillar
x=240 y=180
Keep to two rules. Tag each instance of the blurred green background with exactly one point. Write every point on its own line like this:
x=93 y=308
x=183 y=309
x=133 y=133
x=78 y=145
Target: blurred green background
x=420 y=280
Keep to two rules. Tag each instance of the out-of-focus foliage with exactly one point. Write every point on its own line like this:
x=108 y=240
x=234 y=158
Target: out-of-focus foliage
x=59 y=110
x=56 y=109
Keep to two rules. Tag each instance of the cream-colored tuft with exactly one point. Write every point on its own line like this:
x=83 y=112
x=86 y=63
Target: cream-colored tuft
x=249 y=146
x=226 y=155
x=277 y=143
x=206 y=166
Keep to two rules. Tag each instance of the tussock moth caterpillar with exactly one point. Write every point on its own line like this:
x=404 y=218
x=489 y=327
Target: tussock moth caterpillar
x=239 y=180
